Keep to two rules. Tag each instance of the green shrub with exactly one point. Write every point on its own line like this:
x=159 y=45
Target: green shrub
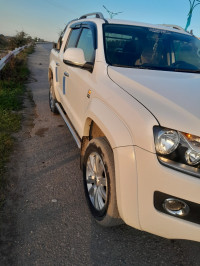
x=12 y=88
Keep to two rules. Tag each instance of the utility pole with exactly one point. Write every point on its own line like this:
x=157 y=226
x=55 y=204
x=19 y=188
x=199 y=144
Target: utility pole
x=193 y=4
x=112 y=14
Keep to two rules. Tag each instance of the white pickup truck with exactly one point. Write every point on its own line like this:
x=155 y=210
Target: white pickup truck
x=129 y=93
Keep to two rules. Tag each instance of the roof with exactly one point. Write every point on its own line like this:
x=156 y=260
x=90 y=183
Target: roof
x=99 y=19
x=170 y=27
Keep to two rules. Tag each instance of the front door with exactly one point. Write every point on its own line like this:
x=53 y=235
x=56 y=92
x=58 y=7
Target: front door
x=77 y=82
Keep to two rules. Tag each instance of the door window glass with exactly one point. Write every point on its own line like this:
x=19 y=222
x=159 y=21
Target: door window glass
x=72 y=40
x=87 y=44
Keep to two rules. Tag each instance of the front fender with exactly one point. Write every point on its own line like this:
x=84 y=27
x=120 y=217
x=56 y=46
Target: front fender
x=121 y=142
x=111 y=125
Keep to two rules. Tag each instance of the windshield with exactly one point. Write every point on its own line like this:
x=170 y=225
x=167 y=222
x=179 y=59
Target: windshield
x=150 y=48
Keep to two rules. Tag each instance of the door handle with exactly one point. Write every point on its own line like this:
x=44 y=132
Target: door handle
x=57 y=64
x=66 y=74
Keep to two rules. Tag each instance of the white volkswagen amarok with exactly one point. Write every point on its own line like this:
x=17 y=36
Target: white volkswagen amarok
x=130 y=95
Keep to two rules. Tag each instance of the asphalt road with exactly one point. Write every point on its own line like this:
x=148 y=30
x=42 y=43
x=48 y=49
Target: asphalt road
x=46 y=220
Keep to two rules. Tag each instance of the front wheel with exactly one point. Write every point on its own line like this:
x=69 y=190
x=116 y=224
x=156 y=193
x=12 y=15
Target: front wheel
x=99 y=182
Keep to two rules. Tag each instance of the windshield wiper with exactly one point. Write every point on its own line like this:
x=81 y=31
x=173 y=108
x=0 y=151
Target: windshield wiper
x=168 y=68
x=187 y=70
x=151 y=67
x=159 y=68
x=141 y=67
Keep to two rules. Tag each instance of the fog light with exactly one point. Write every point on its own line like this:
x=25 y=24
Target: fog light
x=176 y=207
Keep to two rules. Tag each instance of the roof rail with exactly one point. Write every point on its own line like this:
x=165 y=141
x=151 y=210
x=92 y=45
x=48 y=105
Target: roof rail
x=97 y=14
x=176 y=27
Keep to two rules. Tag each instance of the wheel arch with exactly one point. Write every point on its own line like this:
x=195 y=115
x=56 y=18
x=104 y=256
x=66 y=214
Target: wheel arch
x=106 y=122
x=101 y=121
x=52 y=75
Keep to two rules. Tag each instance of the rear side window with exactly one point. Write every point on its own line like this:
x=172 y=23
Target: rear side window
x=86 y=43
x=73 y=37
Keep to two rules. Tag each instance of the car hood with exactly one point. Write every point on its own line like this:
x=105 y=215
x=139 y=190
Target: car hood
x=172 y=97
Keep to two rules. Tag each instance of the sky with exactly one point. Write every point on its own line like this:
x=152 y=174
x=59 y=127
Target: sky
x=46 y=18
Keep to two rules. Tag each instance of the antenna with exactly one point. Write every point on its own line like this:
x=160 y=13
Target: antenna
x=111 y=14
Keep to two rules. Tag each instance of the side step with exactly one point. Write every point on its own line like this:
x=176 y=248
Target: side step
x=71 y=129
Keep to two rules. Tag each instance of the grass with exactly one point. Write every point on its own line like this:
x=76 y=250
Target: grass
x=12 y=87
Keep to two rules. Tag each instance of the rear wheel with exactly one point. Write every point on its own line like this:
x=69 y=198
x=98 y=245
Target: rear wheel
x=99 y=182
x=52 y=98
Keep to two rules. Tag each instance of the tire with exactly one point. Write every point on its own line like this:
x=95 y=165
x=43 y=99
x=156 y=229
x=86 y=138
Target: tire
x=99 y=182
x=52 y=98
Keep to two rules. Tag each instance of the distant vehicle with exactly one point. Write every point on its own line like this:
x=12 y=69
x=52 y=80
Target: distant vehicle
x=129 y=93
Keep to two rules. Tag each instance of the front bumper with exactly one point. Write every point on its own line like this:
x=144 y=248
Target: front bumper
x=152 y=177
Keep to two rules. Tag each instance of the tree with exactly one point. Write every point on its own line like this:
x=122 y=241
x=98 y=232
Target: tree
x=3 y=42
x=193 y=4
x=20 y=39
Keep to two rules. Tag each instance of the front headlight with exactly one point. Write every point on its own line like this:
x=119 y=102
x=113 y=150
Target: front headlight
x=166 y=141
x=177 y=146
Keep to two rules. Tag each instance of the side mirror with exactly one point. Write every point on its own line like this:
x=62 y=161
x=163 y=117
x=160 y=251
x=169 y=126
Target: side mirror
x=74 y=57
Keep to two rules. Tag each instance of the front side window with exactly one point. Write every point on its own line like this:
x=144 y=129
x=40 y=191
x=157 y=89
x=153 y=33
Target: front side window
x=73 y=37
x=149 y=48
x=86 y=43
